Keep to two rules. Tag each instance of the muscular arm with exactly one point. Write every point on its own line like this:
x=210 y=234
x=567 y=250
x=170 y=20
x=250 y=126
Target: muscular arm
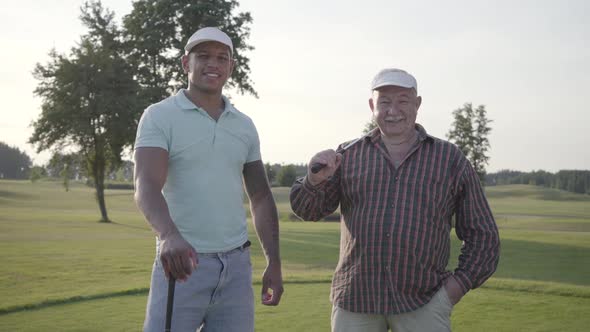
x=151 y=169
x=266 y=223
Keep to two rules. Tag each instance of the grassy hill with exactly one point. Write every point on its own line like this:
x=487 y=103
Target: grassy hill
x=62 y=270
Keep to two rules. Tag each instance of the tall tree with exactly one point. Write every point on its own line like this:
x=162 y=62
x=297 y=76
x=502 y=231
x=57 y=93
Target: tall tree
x=156 y=32
x=481 y=143
x=89 y=99
x=14 y=163
x=461 y=132
x=469 y=131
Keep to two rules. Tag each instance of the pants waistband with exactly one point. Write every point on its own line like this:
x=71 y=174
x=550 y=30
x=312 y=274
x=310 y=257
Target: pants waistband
x=242 y=247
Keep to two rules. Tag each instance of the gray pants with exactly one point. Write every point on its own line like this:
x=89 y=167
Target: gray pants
x=217 y=296
x=435 y=316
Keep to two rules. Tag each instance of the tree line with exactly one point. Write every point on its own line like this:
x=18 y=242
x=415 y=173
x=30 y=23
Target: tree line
x=576 y=181
x=92 y=97
x=14 y=163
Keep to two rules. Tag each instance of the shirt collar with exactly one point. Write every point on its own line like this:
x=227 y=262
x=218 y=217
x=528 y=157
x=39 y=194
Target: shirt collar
x=422 y=134
x=184 y=103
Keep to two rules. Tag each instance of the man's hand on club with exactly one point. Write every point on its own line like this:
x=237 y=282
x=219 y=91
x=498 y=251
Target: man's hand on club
x=178 y=257
x=331 y=159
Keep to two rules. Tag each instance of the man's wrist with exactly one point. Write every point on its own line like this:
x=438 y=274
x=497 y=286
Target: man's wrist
x=273 y=259
x=169 y=232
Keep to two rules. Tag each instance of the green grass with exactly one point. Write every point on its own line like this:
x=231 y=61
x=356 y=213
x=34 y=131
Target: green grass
x=61 y=269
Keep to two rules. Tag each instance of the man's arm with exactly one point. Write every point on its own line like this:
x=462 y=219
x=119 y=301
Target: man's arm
x=151 y=169
x=266 y=223
x=318 y=194
x=476 y=227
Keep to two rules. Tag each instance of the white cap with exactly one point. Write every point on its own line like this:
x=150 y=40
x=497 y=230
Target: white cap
x=209 y=34
x=396 y=77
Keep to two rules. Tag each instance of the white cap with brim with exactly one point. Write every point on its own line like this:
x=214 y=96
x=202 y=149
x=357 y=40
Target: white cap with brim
x=206 y=35
x=395 y=77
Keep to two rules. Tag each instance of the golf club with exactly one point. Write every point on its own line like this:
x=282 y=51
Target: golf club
x=316 y=167
x=170 y=304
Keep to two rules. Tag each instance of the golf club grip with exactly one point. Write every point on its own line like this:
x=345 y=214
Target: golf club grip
x=316 y=167
x=170 y=304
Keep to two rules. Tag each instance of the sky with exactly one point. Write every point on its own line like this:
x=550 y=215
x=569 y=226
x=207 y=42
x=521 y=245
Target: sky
x=527 y=61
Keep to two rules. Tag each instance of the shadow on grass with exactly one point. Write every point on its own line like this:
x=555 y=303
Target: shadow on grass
x=557 y=195
x=75 y=299
x=15 y=195
x=551 y=226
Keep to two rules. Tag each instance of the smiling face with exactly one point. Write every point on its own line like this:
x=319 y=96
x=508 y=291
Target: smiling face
x=395 y=109
x=208 y=66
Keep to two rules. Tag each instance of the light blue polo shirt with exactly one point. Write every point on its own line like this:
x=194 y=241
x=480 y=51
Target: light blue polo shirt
x=206 y=158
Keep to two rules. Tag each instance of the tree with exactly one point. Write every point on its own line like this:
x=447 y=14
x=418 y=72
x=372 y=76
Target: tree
x=369 y=126
x=37 y=172
x=461 y=132
x=481 y=143
x=469 y=131
x=89 y=99
x=14 y=163
x=287 y=176
x=156 y=32
x=65 y=166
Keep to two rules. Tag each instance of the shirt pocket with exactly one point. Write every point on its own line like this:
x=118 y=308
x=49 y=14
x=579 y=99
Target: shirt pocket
x=430 y=201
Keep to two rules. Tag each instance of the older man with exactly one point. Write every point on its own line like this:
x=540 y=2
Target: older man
x=192 y=152
x=398 y=189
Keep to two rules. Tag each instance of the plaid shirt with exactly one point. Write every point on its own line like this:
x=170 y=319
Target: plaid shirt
x=396 y=223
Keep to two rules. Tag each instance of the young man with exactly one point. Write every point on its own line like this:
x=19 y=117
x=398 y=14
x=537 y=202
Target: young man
x=193 y=153
x=398 y=189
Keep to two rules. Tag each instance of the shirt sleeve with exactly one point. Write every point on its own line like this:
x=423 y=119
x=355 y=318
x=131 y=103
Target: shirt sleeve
x=315 y=202
x=476 y=227
x=150 y=132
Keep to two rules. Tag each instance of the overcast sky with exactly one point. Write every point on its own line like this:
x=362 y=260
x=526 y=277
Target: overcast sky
x=527 y=61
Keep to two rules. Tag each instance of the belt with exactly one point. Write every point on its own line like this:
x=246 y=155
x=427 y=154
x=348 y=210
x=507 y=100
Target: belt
x=242 y=247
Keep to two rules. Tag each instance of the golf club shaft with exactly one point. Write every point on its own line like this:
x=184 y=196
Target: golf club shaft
x=170 y=304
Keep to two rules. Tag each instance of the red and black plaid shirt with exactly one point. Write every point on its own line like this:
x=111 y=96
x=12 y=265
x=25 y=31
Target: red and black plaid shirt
x=396 y=223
